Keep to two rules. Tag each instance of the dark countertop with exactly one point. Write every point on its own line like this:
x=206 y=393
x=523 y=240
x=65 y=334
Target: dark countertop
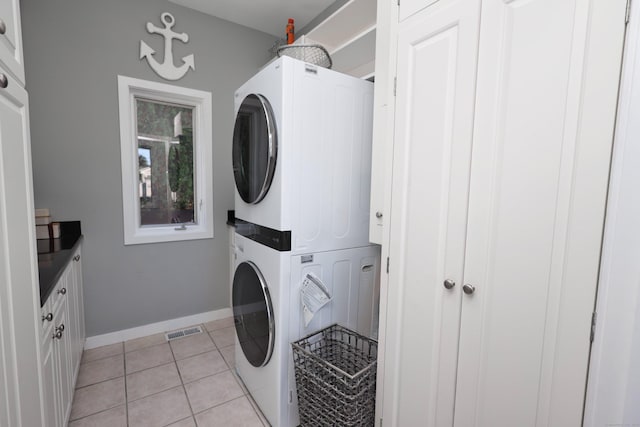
x=231 y=218
x=55 y=254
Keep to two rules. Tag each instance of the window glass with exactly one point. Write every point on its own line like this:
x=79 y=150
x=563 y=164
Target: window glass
x=165 y=163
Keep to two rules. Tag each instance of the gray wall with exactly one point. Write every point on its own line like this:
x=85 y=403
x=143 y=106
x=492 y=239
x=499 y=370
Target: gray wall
x=74 y=51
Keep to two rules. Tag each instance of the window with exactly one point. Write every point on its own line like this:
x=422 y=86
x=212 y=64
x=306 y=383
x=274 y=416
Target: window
x=166 y=143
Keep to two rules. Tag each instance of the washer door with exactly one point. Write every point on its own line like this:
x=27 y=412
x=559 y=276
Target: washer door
x=253 y=314
x=255 y=148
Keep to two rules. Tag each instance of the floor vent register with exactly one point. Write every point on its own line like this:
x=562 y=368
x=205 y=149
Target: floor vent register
x=174 y=335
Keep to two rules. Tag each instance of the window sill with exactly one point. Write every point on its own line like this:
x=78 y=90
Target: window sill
x=168 y=233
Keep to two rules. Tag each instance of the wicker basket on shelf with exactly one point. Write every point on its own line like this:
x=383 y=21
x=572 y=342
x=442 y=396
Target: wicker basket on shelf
x=312 y=53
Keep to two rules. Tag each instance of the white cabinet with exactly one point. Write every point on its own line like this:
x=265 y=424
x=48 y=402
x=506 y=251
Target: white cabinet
x=19 y=296
x=62 y=341
x=12 y=119
x=383 y=117
x=503 y=127
x=76 y=313
x=20 y=400
x=437 y=64
x=49 y=376
x=11 y=39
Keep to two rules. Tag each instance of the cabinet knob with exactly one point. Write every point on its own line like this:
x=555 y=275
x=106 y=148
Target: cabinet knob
x=4 y=81
x=76 y=258
x=58 y=333
x=449 y=284
x=3 y=27
x=469 y=289
x=378 y=214
x=62 y=291
x=48 y=317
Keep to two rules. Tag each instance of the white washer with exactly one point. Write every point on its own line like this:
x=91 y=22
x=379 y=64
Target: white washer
x=353 y=278
x=302 y=154
x=268 y=313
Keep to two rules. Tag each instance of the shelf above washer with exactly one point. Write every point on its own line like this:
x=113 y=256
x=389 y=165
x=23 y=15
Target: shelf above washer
x=349 y=35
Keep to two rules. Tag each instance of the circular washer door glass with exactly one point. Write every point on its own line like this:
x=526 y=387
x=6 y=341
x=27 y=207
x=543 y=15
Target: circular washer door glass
x=253 y=314
x=255 y=148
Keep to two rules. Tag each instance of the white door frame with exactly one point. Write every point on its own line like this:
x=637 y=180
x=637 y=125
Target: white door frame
x=613 y=389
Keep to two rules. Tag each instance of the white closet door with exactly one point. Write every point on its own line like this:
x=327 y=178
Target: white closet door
x=19 y=296
x=614 y=367
x=409 y=7
x=434 y=121
x=547 y=84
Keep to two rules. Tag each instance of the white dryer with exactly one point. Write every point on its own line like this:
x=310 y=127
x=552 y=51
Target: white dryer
x=268 y=313
x=302 y=154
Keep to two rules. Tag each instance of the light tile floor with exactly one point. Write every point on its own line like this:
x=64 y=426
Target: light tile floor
x=148 y=382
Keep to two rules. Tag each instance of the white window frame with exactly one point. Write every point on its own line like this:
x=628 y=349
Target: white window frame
x=128 y=89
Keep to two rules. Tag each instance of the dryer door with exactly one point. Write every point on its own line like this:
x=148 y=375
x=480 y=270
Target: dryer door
x=255 y=148
x=253 y=314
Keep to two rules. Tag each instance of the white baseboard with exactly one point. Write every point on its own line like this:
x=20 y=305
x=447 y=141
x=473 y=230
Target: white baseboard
x=155 y=328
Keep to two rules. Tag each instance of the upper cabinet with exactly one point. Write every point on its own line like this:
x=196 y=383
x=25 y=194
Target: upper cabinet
x=10 y=39
x=349 y=35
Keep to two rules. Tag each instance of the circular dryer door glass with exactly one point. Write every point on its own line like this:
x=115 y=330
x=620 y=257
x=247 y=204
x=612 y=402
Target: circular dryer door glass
x=255 y=147
x=253 y=314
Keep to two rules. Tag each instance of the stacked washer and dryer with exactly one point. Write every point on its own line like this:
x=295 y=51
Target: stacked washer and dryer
x=302 y=163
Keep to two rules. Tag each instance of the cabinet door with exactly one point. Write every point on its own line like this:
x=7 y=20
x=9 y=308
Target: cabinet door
x=8 y=385
x=49 y=377
x=19 y=294
x=547 y=84
x=75 y=315
x=79 y=300
x=60 y=363
x=383 y=117
x=64 y=350
x=434 y=120
x=11 y=40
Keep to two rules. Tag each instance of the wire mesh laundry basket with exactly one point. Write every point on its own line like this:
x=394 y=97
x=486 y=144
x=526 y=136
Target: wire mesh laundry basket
x=312 y=53
x=335 y=370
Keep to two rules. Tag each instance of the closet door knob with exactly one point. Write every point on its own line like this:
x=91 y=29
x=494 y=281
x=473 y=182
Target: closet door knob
x=378 y=214
x=468 y=289
x=3 y=27
x=4 y=81
x=449 y=284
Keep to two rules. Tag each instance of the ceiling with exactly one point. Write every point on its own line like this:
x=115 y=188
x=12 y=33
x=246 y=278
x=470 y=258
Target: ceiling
x=269 y=16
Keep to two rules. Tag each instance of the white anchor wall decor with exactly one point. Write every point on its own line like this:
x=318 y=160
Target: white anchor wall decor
x=166 y=69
